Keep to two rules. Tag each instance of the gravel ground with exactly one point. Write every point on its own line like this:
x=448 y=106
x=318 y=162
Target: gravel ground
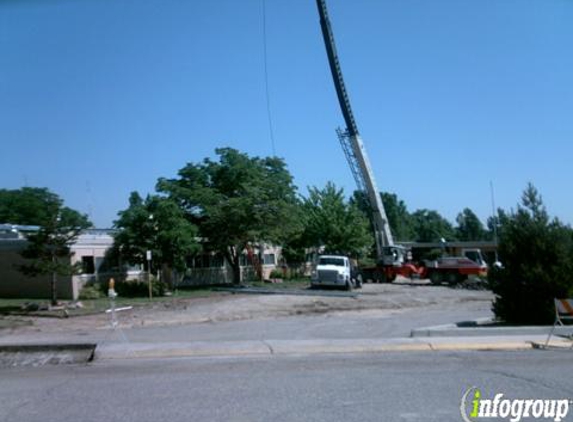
x=226 y=306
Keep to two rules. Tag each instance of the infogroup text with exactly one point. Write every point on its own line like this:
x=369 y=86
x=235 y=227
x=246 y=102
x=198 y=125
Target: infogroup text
x=474 y=407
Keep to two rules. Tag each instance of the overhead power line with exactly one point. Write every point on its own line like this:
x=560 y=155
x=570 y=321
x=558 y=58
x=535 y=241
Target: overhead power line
x=266 y=71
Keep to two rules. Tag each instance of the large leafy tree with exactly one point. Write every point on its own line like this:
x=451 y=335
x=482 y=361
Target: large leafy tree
x=26 y=206
x=430 y=226
x=236 y=201
x=295 y=248
x=537 y=256
x=469 y=227
x=48 y=249
x=399 y=218
x=159 y=225
x=335 y=224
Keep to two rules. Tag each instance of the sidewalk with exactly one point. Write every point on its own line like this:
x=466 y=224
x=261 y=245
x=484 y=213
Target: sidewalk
x=114 y=344
x=257 y=326
x=123 y=350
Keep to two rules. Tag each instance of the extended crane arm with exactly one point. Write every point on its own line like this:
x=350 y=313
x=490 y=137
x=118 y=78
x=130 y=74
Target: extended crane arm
x=352 y=143
x=335 y=69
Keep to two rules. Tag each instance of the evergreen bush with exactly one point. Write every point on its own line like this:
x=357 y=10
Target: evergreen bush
x=537 y=257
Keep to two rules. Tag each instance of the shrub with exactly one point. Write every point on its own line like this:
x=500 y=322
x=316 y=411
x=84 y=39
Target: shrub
x=90 y=293
x=276 y=273
x=537 y=257
x=137 y=288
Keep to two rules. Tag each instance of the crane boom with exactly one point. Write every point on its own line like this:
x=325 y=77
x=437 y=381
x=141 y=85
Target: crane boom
x=352 y=144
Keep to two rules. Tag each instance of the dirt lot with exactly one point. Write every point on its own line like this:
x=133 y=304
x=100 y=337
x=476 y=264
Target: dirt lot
x=228 y=306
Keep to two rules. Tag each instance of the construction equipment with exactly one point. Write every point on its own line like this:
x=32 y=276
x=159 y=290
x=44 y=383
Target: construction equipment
x=391 y=258
x=356 y=155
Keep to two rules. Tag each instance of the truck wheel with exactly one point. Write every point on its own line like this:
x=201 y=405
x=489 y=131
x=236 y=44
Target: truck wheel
x=379 y=277
x=435 y=277
x=348 y=286
x=452 y=278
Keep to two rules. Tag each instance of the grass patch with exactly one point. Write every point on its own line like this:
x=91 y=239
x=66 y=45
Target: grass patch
x=95 y=306
x=9 y=306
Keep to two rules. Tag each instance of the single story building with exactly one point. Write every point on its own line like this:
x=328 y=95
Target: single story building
x=90 y=249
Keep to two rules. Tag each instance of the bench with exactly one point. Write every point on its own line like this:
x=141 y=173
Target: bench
x=563 y=313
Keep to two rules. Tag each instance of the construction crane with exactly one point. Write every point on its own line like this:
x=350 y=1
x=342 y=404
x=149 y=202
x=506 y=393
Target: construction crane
x=391 y=257
x=355 y=152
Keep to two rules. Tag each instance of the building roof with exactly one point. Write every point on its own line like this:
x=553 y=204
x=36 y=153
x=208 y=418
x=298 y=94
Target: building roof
x=17 y=231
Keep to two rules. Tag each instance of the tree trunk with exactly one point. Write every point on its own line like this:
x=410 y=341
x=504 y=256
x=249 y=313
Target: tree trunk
x=167 y=276
x=232 y=255
x=53 y=283
x=236 y=272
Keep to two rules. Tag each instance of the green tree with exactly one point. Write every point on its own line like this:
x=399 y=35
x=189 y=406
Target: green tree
x=26 y=206
x=159 y=225
x=430 y=226
x=49 y=248
x=537 y=256
x=399 y=218
x=335 y=224
x=294 y=249
x=236 y=201
x=496 y=223
x=469 y=226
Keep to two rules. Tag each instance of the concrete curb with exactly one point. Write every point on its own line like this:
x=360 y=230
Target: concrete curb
x=79 y=353
x=318 y=347
x=193 y=349
x=453 y=330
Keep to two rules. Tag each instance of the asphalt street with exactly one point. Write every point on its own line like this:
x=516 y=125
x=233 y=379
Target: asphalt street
x=381 y=387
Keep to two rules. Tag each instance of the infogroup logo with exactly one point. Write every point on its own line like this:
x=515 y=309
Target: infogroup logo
x=475 y=407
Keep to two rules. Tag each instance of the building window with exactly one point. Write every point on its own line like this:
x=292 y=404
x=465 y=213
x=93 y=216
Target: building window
x=269 y=259
x=88 y=265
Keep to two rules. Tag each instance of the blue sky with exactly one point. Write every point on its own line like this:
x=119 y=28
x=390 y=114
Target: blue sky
x=101 y=97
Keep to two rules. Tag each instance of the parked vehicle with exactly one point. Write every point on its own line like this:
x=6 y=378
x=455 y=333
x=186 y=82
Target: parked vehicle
x=335 y=271
x=449 y=269
x=453 y=269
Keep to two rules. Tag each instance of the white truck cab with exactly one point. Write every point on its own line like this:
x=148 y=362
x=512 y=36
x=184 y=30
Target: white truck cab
x=476 y=256
x=334 y=271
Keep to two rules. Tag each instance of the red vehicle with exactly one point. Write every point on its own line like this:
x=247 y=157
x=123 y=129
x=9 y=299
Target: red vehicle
x=451 y=270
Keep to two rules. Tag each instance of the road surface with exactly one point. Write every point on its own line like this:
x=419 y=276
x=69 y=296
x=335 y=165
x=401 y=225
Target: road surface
x=337 y=388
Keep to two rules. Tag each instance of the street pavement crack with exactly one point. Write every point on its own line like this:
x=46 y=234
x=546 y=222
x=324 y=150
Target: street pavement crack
x=535 y=382
x=269 y=347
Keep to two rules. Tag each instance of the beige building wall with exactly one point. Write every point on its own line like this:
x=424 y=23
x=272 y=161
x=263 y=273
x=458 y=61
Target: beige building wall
x=14 y=284
x=93 y=244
